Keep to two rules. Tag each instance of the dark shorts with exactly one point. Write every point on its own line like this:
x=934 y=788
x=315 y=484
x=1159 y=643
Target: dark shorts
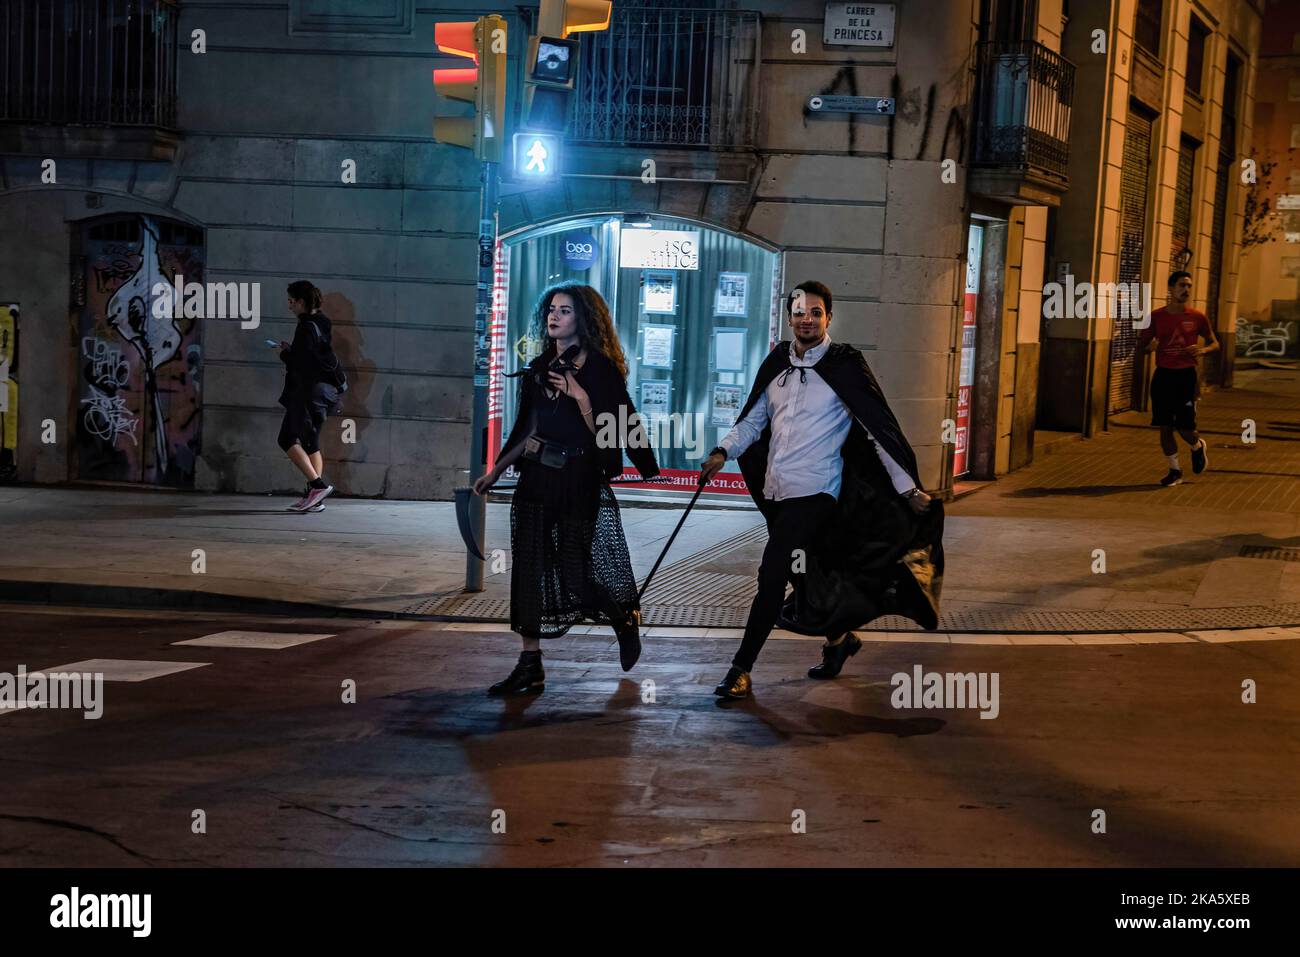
x=1173 y=398
x=304 y=417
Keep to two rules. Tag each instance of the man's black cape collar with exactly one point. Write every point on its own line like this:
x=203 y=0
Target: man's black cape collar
x=875 y=557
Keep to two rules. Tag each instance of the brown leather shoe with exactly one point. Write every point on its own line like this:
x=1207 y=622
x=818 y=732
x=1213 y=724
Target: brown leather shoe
x=735 y=685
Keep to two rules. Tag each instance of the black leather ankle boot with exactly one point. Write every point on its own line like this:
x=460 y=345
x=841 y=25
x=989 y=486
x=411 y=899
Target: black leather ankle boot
x=527 y=678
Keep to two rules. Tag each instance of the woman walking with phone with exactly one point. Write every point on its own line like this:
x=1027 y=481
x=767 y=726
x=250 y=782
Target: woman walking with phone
x=570 y=558
x=313 y=385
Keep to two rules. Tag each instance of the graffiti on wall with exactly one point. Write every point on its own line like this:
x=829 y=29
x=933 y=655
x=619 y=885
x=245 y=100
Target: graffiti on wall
x=1270 y=339
x=8 y=391
x=138 y=416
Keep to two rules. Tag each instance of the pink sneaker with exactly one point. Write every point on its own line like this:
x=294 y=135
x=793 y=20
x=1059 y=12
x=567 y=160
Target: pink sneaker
x=301 y=504
x=315 y=496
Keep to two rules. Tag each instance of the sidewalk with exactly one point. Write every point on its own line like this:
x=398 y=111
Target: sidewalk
x=1021 y=552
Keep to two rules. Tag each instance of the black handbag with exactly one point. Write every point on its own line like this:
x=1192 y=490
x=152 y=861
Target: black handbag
x=551 y=454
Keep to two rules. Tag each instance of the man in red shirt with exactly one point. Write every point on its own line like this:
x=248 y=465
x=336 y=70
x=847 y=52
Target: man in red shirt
x=1175 y=329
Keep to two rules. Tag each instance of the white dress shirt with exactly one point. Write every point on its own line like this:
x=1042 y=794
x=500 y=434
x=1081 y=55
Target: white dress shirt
x=809 y=426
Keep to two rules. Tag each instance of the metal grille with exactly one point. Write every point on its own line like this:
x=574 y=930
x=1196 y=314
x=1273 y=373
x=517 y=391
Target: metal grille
x=999 y=621
x=1276 y=553
x=89 y=61
x=1179 y=253
x=1026 y=94
x=669 y=77
x=1133 y=214
x=1218 y=256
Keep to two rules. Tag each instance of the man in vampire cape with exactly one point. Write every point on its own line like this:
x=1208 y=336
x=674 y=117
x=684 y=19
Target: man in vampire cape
x=837 y=483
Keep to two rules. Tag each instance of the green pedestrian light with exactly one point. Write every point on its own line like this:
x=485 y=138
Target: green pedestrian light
x=537 y=156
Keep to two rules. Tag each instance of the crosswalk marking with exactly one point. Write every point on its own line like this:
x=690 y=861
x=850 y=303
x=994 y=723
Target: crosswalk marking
x=125 y=669
x=252 y=639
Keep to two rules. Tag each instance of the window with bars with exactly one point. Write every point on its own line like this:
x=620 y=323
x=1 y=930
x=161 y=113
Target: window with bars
x=668 y=75
x=97 y=62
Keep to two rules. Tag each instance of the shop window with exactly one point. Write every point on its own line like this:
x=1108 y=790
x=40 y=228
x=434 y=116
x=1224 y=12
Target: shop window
x=696 y=310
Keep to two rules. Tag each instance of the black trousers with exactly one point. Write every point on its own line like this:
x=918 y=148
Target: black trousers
x=792 y=524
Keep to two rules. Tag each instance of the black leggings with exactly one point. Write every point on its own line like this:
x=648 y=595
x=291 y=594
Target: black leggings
x=793 y=523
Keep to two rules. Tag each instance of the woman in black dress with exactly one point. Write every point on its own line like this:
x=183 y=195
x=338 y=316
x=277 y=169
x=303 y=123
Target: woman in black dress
x=570 y=559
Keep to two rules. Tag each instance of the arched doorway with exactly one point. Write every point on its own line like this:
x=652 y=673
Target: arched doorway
x=138 y=416
x=695 y=308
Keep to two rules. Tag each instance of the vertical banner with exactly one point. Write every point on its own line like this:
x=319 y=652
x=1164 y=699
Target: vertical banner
x=966 y=380
x=8 y=390
x=497 y=363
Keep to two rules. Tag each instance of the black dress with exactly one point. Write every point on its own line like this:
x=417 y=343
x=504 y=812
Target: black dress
x=570 y=558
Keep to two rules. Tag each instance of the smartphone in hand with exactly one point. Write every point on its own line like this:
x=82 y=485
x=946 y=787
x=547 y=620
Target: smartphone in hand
x=272 y=343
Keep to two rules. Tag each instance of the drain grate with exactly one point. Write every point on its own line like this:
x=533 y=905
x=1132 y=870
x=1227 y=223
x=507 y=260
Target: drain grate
x=685 y=596
x=1275 y=553
x=965 y=620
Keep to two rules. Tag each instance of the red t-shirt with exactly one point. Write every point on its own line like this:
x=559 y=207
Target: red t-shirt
x=1173 y=332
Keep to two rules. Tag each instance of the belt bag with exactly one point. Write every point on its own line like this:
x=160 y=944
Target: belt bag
x=551 y=454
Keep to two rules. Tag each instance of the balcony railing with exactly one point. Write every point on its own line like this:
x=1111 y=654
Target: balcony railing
x=1023 y=126
x=669 y=77
x=92 y=62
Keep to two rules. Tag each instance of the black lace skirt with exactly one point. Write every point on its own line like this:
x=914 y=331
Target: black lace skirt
x=570 y=557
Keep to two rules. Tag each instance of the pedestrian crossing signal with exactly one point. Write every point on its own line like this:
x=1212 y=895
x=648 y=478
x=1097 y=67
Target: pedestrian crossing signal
x=537 y=156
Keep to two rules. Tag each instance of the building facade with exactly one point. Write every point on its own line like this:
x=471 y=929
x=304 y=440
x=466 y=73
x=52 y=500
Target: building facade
x=259 y=142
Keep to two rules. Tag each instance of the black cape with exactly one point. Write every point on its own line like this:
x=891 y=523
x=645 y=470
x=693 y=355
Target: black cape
x=876 y=556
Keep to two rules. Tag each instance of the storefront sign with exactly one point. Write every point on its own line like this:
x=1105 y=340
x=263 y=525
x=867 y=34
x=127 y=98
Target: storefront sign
x=659 y=249
x=859 y=24
x=966 y=377
x=579 y=250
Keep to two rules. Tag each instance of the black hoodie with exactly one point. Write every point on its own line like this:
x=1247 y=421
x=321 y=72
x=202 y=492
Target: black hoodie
x=309 y=359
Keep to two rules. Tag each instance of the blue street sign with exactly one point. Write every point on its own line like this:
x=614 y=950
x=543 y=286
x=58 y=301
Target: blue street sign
x=537 y=156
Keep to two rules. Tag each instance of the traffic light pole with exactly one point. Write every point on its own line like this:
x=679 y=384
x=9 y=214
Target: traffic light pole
x=487 y=243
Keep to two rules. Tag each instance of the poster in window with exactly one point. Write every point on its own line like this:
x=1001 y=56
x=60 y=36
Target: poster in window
x=654 y=397
x=657 y=348
x=733 y=292
x=660 y=292
x=727 y=400
x=729 y=349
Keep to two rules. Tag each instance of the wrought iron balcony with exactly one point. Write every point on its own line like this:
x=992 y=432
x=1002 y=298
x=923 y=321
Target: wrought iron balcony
x=89 y=67
x=1021 y=150
x=658 y=76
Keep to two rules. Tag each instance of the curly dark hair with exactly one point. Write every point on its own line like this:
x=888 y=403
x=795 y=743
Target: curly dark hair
x=595 y=326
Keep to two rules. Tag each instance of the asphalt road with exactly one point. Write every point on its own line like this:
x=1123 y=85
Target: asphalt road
x=604 y=769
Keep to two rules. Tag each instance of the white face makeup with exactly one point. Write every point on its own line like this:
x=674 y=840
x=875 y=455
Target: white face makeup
x=808 y=317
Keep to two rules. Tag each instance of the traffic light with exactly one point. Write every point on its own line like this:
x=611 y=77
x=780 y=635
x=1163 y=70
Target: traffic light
x=553 y=57
x=483 y=85
x=536 y=156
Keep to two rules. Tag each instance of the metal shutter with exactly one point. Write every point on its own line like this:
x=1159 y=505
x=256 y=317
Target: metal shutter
x=1133 y=215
